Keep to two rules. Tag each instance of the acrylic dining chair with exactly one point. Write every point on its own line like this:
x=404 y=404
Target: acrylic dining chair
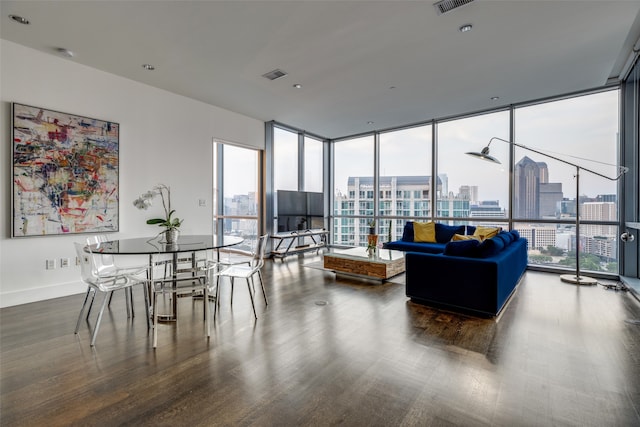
x=105 y=281
x=247 y=272
x=105 y=264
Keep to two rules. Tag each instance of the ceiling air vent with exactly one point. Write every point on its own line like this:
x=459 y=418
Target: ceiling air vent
x=275 y=74
x=445 y=6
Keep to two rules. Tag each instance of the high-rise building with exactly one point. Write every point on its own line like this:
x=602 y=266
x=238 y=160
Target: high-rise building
x=487 y=209
x=606 y=198
x=534 y=195
x=444 y=180
x=549 y=199
x=469 y=192
x=408 y=196
x=538 y=237
x=454 y=205
x=598 y=211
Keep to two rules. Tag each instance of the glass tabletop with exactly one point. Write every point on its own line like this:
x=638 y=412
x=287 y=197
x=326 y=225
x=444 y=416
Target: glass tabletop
x=143 y=245
x=361 y=253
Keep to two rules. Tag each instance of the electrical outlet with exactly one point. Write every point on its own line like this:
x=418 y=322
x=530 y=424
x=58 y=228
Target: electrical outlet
x=64 y=262
x=51 y=264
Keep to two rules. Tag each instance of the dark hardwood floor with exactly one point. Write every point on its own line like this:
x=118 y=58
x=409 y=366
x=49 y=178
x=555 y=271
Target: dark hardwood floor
x=329 y=352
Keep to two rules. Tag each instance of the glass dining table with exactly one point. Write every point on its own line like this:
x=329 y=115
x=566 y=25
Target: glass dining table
x=156 y=249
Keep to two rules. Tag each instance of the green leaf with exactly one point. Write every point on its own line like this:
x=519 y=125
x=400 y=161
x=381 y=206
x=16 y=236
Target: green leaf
x=155 y=221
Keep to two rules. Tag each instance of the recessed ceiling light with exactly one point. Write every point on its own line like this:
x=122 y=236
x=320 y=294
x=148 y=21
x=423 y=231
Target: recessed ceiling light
x=297 y=85
x=148 y=67
x=495 y=98
x=465 y=28
x=19 y=19
x=65 y=52
x=369 y=122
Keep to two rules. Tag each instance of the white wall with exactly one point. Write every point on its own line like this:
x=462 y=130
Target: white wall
x=164 y=138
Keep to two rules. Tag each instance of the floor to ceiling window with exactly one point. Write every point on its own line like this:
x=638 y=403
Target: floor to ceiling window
x=236 y=195
x=313 y=164
x=298 y=196
x=526 y=191
x=285 y=160
x=581 y=130
x=354 y=190
x=405 y=179
x=471 y=188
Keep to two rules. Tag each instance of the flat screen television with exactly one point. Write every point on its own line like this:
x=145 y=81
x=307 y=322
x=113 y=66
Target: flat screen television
x=299 y=210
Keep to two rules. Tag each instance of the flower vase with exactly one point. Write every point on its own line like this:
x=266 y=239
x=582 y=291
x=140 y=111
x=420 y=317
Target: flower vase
x=372 y=240
x=171 y=236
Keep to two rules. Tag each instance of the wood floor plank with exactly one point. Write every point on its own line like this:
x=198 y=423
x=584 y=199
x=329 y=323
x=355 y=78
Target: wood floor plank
x=329 y=351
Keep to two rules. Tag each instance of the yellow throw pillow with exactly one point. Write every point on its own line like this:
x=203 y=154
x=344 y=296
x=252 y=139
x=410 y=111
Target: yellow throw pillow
x=483 y=233
x=457 y=237
x=424 y=232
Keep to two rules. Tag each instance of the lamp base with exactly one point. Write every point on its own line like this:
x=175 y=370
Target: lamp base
x=578 y=280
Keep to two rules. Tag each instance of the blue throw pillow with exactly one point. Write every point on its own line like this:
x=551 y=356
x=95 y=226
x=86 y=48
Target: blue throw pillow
x=505 y=237
x=444 y=233
x=490 y=247
x=508 y=236
x=470 y=230
x=462 y=247
x=515 y=234
x=407 y=233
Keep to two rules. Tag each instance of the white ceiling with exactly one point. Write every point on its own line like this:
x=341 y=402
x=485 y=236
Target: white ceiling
x=390 y=62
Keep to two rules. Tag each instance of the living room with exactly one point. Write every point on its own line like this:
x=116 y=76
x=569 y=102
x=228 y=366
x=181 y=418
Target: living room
x=169 y=138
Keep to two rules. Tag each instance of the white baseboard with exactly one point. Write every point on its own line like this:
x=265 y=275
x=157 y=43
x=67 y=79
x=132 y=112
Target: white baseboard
x=25 y=296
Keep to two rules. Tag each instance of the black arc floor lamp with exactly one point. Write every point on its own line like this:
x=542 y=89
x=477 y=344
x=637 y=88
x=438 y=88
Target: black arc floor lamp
x=569 y=278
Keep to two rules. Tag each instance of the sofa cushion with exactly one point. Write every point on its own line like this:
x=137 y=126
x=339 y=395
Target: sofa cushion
x=486 y=232
x=407 y=233
x=490 y=247
x=515 y=234
x=429 y=248
x=506 y=237
x=444 y=233
x=458 y=237
x=424 y=232
x=466 y=248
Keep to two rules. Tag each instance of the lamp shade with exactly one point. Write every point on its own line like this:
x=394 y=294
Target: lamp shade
x=484 y=155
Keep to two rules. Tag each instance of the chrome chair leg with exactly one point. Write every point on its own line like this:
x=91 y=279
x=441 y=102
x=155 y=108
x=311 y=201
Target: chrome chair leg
x=251 y=295
x=93 y=297
x=205 y=301
x=264 y=294
x=97 y=327
x=129 y=307
x=146 y=305
x=216 y=303
x=133 y=312
x=86 y=298
x=155 y=321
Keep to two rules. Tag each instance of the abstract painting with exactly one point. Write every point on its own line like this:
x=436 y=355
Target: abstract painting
x=65 y=173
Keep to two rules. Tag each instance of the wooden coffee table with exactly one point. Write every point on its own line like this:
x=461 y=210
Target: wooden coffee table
x=381 y=265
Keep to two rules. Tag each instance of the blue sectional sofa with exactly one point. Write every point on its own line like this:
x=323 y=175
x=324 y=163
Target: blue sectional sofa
x=466 y=275
x=444 y=234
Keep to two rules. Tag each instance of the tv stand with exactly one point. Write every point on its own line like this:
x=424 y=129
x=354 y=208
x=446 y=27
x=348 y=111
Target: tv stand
x=293 y=242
